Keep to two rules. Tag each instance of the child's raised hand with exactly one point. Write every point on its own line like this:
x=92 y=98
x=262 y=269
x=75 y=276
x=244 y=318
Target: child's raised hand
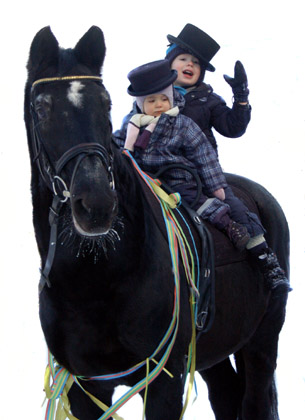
x=240 y=76
x=239 y=83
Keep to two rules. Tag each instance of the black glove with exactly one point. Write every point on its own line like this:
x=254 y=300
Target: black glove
x=238 y=83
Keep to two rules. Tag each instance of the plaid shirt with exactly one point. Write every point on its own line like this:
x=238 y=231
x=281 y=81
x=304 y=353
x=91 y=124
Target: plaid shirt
x=179 y=140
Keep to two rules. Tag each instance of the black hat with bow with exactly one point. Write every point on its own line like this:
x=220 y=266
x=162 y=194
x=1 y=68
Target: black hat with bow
x=151 y=78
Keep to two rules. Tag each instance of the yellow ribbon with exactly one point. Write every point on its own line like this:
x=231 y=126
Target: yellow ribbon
x=63 y=410
x=192 y=356
x=171 y=199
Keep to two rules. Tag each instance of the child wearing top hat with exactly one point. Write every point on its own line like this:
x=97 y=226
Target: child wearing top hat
x=162 y=135
x=190 y=54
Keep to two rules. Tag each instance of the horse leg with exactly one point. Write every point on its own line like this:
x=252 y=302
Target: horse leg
x=260 y=402
x=224 y=388
x=259 y=356
x=82 y=407
x=164 y=398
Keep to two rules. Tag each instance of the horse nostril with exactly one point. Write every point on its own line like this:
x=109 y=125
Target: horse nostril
x=81 y=206
x=92 y=213
x=84 y=204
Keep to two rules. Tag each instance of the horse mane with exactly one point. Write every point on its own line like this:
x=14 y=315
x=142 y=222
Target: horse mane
x=131 y=187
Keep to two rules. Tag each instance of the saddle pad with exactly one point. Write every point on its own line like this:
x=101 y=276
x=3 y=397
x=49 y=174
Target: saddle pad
x=224 y=251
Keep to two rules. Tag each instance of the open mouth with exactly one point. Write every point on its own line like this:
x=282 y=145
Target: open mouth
x=188 y=73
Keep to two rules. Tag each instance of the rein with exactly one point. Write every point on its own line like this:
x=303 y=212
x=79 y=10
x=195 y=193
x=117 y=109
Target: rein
x=62 y=380
x=60 y=197
x=52 y=173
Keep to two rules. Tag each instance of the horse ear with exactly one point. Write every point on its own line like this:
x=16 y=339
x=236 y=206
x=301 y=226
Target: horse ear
x=44 y=51
x=90 y=49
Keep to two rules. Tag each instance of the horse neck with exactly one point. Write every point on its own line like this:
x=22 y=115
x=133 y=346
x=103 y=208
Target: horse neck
x=132 y=206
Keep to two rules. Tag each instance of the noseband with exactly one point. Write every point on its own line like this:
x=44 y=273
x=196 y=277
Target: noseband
x=52 y=174
x=81 y=151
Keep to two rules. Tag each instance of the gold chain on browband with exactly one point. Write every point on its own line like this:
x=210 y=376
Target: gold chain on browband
x=55 y=79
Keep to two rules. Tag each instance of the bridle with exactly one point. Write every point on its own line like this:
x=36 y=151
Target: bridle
x=52 y=173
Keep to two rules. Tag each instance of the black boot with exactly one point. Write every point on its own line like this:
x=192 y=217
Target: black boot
x=274 y=275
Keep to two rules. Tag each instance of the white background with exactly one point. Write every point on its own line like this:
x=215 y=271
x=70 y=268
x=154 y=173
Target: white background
x=268 y=37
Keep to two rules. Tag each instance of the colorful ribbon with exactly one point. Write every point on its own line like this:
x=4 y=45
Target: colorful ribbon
x=58 y=407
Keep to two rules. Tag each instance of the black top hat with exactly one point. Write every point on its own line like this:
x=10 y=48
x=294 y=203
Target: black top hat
x=150 y=78
x=197 y=43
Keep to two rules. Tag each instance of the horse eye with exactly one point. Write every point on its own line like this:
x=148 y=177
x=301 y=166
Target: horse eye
x=41 y=112
x=43 y=106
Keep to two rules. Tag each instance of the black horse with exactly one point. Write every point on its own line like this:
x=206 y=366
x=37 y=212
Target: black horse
x=107 y=292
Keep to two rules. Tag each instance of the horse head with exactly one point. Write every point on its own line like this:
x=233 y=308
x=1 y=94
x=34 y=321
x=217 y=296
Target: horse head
x=69 y=129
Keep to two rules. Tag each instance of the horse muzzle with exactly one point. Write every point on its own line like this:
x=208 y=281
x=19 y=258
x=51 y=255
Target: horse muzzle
x=92 y=194
x=94 y=203
x=93 y=213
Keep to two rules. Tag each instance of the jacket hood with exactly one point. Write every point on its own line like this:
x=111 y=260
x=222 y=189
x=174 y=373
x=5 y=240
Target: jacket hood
x=179 y=101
